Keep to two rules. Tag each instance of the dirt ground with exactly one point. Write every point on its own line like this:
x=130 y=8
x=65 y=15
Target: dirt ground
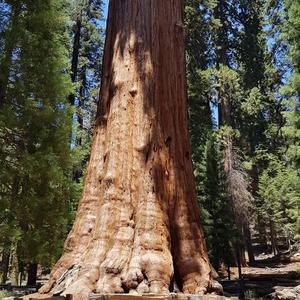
x=269 y=274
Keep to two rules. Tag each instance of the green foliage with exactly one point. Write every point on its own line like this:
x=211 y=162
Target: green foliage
x=35 y=124
x=279 y=194
x=237 y=57
x=90 y=46
x=217 y=212
x=4 y=293
x=253 y=103
x=87 y=44
x=206 y=153
x=292 y=114
x=38 y=196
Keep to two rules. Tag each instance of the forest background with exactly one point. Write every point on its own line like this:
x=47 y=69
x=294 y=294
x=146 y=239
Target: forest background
x=243 y=68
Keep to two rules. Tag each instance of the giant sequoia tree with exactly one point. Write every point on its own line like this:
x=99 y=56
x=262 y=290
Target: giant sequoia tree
x=137 y=226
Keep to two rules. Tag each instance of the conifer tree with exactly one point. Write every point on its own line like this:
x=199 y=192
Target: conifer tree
x=292 y=131
x=208 y=173
x=292 y=114
x=86 y=59
x=35 y=125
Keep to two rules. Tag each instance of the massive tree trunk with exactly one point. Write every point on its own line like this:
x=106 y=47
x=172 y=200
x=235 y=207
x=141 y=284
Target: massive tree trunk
x=137 y=228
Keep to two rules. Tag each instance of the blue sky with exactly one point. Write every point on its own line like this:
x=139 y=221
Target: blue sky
x=105 y=7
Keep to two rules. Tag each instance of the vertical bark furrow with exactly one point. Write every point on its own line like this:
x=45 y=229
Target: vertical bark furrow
x=78 y=238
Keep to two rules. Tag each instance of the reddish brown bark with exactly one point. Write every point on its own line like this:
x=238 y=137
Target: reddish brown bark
x=137 y=227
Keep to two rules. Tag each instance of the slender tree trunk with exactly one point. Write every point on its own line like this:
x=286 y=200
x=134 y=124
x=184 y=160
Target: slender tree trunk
x=228 y=272
x=137 y=227
x=14 y=269
x=10 y=44
x=4 y=266
x=82 y=103
x=77 y=171
x=273 y=237
x=32 y=274
x=226 y=120
x=248 y=242
x=228 y=152
x=263 y=237
x=75 y=54
x=239 y=263
x=239 y=257
x=261 y=225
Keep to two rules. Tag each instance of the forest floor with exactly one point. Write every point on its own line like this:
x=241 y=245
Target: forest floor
x=268 y=275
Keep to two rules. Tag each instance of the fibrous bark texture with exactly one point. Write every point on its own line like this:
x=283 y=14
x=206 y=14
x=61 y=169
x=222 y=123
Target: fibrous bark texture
x=137 y=228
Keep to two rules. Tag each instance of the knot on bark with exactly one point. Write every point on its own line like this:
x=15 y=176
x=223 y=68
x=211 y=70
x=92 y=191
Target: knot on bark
x=132 y=279
x=133 y=92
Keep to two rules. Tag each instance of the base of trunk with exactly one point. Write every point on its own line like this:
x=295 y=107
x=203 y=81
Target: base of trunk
x=132 y=283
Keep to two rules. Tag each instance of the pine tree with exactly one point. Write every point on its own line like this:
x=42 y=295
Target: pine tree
x=212 y=197
x=292 y=114
x=35 y=126
x=86 y=59
x=227 y=88
x=292 y=130
x=10 y=36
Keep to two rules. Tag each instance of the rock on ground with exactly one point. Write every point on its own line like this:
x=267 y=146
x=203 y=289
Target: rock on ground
x=287 y=294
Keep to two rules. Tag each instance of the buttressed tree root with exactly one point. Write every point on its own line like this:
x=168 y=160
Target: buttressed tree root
x=137 y=228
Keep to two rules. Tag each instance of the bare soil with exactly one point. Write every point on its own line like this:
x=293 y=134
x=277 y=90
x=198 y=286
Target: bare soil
x=270 y=273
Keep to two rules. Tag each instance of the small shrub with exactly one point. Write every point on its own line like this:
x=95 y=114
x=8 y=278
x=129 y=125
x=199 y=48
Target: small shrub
x=4 y=293
x=250 y=295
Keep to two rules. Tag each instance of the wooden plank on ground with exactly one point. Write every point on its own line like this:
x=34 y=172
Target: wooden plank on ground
x=50 y=298
x=68 y=297
x=140 y=297
x=154 y=297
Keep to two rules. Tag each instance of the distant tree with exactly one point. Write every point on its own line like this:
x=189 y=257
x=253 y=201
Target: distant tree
x=9 y=36
x=86 y=59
